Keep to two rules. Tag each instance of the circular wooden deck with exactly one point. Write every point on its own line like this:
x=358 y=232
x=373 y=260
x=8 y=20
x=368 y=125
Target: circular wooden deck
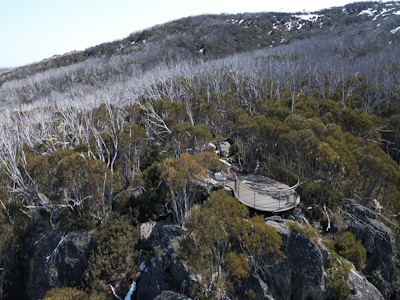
x=263 y=193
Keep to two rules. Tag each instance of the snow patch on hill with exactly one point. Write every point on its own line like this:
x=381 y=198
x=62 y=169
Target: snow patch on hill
x=395 y=30
x=298 y=21
x=378 y=11
x=369 y=12
x=385 y=12
x=309 y=17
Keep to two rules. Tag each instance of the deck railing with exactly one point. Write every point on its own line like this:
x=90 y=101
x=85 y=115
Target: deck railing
x=267 y=199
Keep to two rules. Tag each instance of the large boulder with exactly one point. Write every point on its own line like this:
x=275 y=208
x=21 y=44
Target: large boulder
x=169 y=295
x=378 y=240
x=301 y=274
x=361 y=288
x=165 y=271
x=224 y=149
x=153 y=280
x=73 y=257
x=147 y=234
x=56 y=259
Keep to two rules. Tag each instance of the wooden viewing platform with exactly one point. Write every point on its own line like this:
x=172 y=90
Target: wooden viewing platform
x=263 y=193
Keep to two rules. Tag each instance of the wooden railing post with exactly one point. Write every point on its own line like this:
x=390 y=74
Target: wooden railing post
x=279 y=197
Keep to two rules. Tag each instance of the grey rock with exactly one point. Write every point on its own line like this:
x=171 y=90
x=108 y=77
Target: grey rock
x=361 y=288
x=166 y=235
x=261 y=289
x=153 y=281
x=159 y=234
x=169 y=295
x=281 y=227
x=165 y=271
x=307 y=268
x=73 y=257
x=277 y=219
x=147 y=233
x=378 y=240
x=47 y=268
x=224 y=149
x=301 y=274
x=146 y=229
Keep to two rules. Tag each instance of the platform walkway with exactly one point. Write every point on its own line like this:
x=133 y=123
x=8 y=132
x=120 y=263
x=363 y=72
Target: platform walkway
x=263 y=193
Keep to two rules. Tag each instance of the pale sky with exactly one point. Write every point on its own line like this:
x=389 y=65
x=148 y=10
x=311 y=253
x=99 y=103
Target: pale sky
x=31 y=30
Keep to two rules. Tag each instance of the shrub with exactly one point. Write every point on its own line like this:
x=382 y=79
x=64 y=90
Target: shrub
x=237 y=266
x=71 y=294
x=113 y=261
x=339 y=270
x=305 y=229
x=347 y=246
x=338 y=288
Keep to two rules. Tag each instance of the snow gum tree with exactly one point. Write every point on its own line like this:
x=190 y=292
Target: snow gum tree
x=182 y=175
x=72 y=184
x=224 y=244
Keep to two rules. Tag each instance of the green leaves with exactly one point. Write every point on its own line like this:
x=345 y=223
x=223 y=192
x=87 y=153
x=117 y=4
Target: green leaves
x=211 y=234
x=179 y=172
x=75 y=182
x=237 y=267
x=114 y=259
x=223 y=243
x=71 y=294
x=182 y=175
x=260 y=239
x=347 y=246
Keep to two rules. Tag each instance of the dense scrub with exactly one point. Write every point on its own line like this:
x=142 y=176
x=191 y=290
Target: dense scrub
x=78 y=179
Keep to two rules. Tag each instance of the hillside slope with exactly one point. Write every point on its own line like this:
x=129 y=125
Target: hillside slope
x=219 y=36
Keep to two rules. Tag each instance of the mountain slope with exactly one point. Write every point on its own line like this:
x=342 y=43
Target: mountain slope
x=219 y=36
x=356 y=31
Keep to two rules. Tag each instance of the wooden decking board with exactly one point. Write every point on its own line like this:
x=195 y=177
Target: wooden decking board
x=262 y=193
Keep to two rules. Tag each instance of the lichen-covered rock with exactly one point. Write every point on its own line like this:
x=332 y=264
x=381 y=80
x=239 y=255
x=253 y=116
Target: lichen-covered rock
x=361 y=288
x=301 y=274
x=378 y=240
x=56 y=260
x=166 y=235
x=224 y=149
x=147 y=233
x=165 y=271
x=146 y=229
x=169 y=295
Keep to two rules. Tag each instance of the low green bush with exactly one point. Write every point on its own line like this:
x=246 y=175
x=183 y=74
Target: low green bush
x=347 y=246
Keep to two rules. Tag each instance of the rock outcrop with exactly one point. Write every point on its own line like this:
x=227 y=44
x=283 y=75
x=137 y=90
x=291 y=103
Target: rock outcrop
x=301 y=274
x=224 y=149
x=57 y=260
x=165 y=271
x=361 y=288
x=169 y=295
x=378 y=240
